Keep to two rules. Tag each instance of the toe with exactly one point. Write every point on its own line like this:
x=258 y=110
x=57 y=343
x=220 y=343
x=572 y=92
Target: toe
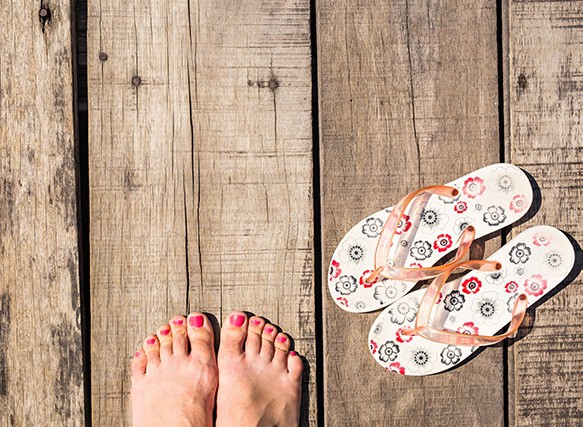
x=152 y=348
x=269 y=333
x=254 y=332
x=179 y=337
x=233 y=334
x=165 y=338
x=282 y=344
x=201 y=336
x=295 y=366
x=139 y=362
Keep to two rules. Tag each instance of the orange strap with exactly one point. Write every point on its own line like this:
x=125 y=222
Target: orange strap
x=423 y=328
x=390 y=229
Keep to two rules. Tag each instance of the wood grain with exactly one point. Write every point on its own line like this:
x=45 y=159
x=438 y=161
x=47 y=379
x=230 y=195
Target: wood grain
x=41 y=373
x=545 y=90
x=408 y=98
x=200 y=174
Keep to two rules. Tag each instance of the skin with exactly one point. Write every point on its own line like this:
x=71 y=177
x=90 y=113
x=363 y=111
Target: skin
x=176 y=378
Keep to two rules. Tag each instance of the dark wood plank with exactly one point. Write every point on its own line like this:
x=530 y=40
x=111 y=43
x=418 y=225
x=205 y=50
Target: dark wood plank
x=408 y=98
x=545 y=90
x=200 y=174
x=41 y=370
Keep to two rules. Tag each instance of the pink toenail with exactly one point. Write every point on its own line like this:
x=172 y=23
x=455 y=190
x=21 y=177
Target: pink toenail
x=196 y=321
x=256 y=322
x=237 y=320
x=138 y=354
x=178 y=322
x=165 y=331
x=293 y=353
x=282 y=339
x=269 y=329
x=151 y=341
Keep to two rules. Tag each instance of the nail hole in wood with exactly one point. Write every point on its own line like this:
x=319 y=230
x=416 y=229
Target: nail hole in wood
x=103 y=56
x=44 y=16
x=136 y=81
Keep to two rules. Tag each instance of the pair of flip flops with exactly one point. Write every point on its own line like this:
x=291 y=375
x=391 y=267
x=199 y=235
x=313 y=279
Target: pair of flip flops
x=433 y=329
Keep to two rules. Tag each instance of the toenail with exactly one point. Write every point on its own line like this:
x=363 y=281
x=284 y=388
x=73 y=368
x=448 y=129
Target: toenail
x=138 y=354
x=178 y=322
x=165 y=331
x=282 y=339
x=293 y=353
x=269 y=329
x=196 y=321
x=151 y=341
x=256 y=322
x=237 y=320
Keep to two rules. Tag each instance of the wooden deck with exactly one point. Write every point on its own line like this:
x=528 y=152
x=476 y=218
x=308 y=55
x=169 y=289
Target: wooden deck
x=210 y=155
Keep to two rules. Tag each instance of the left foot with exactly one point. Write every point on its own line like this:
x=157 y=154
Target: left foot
x=172 y=386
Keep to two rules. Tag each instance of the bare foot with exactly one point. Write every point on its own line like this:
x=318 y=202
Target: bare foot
x=172 y=386
x=259 y=378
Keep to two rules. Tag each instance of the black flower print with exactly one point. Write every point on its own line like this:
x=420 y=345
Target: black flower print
x=420 y=360
x=510 y=303
x=403 y=310
x=354 y=250
x=389 y=290
x=552 y=263
x=487 y=309
x=433 y=217
x=519 y=253
x=494 y=215
x=373 y=227
x=388 y=351
x=421 y=250
x=503 y=179
x=360 y=305
x=346 y=285
x=454 y=301
x=451 y=355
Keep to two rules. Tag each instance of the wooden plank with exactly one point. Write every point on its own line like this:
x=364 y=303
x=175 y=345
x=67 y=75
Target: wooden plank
x=41 y=373
x=200 y=174
x=408 y=98
x=545 y=89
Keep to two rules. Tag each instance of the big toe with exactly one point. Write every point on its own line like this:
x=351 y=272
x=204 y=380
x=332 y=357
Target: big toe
x=201 y=336
x=233 y=334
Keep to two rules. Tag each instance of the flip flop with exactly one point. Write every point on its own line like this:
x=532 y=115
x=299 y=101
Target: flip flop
x=406 y=240
x=435 y=329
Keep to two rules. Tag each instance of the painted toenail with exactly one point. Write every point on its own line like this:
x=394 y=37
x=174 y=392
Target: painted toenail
x=282 y=339
x=196 y=321
x=269 y=329
x=151 y=341
x=138 y=354
x=293 y=353
x=165 y=331
x=256 y=322
x=178 y=322
x=237 y=320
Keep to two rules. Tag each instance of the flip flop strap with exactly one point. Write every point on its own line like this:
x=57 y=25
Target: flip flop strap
x=390 y=229
x=424 y=329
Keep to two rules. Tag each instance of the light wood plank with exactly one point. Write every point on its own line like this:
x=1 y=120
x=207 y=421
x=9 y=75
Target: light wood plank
x=200 y=174
x=408 y=98
x=545 y=89
x=41 y=372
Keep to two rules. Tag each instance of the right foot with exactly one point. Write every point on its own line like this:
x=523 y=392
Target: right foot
x=259 y=378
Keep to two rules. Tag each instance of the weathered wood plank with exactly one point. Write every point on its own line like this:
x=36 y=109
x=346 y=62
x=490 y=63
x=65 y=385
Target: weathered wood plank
x=200 y=174
x=41 y=374
x=408 y=97
x=545 y=89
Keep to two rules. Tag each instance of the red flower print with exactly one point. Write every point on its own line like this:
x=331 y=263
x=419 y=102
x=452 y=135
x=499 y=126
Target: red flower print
x=343 y=301
x=518 y=203
x=373 y=346
x=439 y=298
x=363 y=278
x=468 y=328
x=536 y=285
x=415 y=265
x=541 y=239
x=404 y=224
x=473 y=187
x=335 y=270
x=460 y=206
x=442 y=243
x=397 y=368
x=401 y=337
x=511 y=287
x=471 y=285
